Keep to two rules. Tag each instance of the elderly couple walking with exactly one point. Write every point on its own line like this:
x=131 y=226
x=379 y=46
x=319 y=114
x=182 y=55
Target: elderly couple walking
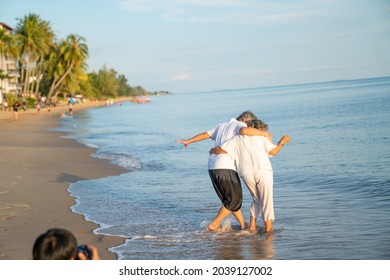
x=242 y=147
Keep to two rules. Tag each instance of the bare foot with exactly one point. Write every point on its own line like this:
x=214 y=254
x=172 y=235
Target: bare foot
x=252 y=224
x=268 y=225
x=212 y=227
x=252 y=228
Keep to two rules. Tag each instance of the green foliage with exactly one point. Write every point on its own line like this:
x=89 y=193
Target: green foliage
x=59 y=64
x=124 y=89
x=108 y=84
x=31 y=102
x=10 y=99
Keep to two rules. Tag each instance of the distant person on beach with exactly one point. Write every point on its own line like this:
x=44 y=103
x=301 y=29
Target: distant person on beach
x=5 y=105
x=61 y=244
x=222 y=170
x=251 y=156
x=70 y=104
x=16 y=109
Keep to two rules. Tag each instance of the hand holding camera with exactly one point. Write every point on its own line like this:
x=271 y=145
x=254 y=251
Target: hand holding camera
x=87 y=252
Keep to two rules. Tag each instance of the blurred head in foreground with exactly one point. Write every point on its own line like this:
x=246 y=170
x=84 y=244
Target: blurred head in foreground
x=55 y=244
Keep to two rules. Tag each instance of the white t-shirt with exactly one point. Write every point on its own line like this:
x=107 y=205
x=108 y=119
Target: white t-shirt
x=249 y=153
x=220 y=134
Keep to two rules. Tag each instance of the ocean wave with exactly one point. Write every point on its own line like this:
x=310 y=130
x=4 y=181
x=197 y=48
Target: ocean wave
x=122 y=160
x=90 y=145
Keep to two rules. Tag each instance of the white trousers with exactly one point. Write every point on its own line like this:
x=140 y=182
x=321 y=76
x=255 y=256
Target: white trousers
x=260 y=184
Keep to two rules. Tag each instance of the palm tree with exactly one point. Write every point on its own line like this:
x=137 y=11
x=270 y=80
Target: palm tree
x=48 y=37
x=7 y=45
x=34 y=37
x=70 y=55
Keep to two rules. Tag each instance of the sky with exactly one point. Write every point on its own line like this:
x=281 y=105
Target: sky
x=203 y=45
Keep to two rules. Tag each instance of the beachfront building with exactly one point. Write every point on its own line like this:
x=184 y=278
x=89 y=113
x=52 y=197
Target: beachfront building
x=9 y=74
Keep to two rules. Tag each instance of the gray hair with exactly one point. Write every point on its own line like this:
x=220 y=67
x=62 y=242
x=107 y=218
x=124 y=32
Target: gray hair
x=259 y=124
x=246 y=117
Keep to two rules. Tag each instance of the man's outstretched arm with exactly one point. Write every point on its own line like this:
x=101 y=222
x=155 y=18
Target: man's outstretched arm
x=196 y=138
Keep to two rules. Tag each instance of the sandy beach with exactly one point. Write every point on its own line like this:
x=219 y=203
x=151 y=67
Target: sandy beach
x=36 y=168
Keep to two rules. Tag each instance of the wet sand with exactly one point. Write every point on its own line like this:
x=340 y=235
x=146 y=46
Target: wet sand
x=36 y=168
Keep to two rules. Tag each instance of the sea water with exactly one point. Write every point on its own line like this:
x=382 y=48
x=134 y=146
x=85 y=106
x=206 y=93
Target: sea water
x=331 y=182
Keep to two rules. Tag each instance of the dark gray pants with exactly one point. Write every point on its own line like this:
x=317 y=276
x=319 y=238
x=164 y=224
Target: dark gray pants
x=227 y=185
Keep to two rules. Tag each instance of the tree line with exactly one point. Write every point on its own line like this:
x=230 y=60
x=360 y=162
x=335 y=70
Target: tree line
x=56 y=67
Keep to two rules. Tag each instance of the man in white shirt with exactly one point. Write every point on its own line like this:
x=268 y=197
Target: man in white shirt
x=251 y=157
x=222 y=169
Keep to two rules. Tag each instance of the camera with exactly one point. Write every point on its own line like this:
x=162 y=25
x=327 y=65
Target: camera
x=84 y=249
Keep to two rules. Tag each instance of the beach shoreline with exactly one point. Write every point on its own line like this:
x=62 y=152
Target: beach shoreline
x=37 y=167
x=9 y=115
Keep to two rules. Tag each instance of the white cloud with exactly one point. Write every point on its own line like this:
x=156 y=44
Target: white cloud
x=222 y=11
x=139 y=6
x=181 y=77
x=149 y=5
x=250 y=18
x=217 y=3
x=191 y=75
x=173 y=14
